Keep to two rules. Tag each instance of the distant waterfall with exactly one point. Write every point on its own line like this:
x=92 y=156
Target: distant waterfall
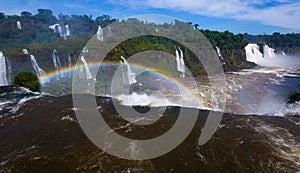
x=127 y=72
x=180 y=62
x=63 y=30
x=219 y=52
x=57 y=63
x=81 y=74
x=109 y=31
x=67 y=28
x=3 y=70
x=19 y=26
x=87 y=69
x=69 y=59
x=100 y=34
x=263 y=55
x=39 y=72
x=25 y=51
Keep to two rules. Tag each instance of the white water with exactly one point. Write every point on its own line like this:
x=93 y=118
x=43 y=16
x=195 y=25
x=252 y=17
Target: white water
x=269 y=58
x=3 y=70
x=57 y=64
x=180 y=62
x=130 y=75
x=109 y=31
x=19 y=26
x=253 y=54
x=69 y=59
x=268 y=52
x=87 y=69
x=25 y=51
x=68 y=33
x=100 y=34
x=219 y=52
x=63 y=31
x=39 y=72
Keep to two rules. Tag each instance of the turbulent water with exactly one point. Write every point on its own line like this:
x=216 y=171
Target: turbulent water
x=259 y=131
x=40 y=133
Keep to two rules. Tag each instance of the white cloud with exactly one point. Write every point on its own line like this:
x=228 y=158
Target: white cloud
x=284 y=13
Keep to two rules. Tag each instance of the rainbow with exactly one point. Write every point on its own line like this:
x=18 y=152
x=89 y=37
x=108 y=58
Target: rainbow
x=70 y=69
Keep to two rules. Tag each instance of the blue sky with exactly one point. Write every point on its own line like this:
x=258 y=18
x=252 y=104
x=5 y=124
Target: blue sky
x=238 y=16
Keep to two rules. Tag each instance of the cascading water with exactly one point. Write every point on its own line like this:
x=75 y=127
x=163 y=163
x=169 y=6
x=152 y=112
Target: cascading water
x=269 y=58
x=39 y=72
x=253 y=54
x=63 y=31
x=180 y=62
x=67 y=28
x=70 y=63
x=25 y=51
x=57 y=64
x=19 y=26
x=3 y=70
x=87 y=69
x=219 y=52
x=123 y=73
x=109 y=31
x=268 y=52
x=100 y=34
x=130 y=75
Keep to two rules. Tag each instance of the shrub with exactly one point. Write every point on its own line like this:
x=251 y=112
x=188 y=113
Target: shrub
x=294 y=97
x=27 y=80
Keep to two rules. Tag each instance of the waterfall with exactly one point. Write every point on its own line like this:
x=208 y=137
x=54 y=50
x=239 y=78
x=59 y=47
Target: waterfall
x=87 y=69
x=85 y=50
x=81 y=74
x=268 y=52
x=63 y=31
x=68 y=33
x=130 y=75
x=219 y=52
x=263 y=55
x=57 y=64
x=25 y=51
x=180 y=62
x=177 y=60
x=253 y=54
x=9 y=71
x=69 y=59
x=100 y=34
x=39 y=72
x=19 y=26
x=3 y=70
x=123 y=73
x=109 y=31
x=70 y=63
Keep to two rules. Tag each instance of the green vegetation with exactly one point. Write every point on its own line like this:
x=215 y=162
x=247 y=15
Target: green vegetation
x=294 y=97
x=27 y=80
x=40 y=40
x=287 y=42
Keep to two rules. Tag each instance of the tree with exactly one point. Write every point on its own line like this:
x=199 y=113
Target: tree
x=26 y=14
x=45 y=12
x=27 y=80
x=2 y=15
